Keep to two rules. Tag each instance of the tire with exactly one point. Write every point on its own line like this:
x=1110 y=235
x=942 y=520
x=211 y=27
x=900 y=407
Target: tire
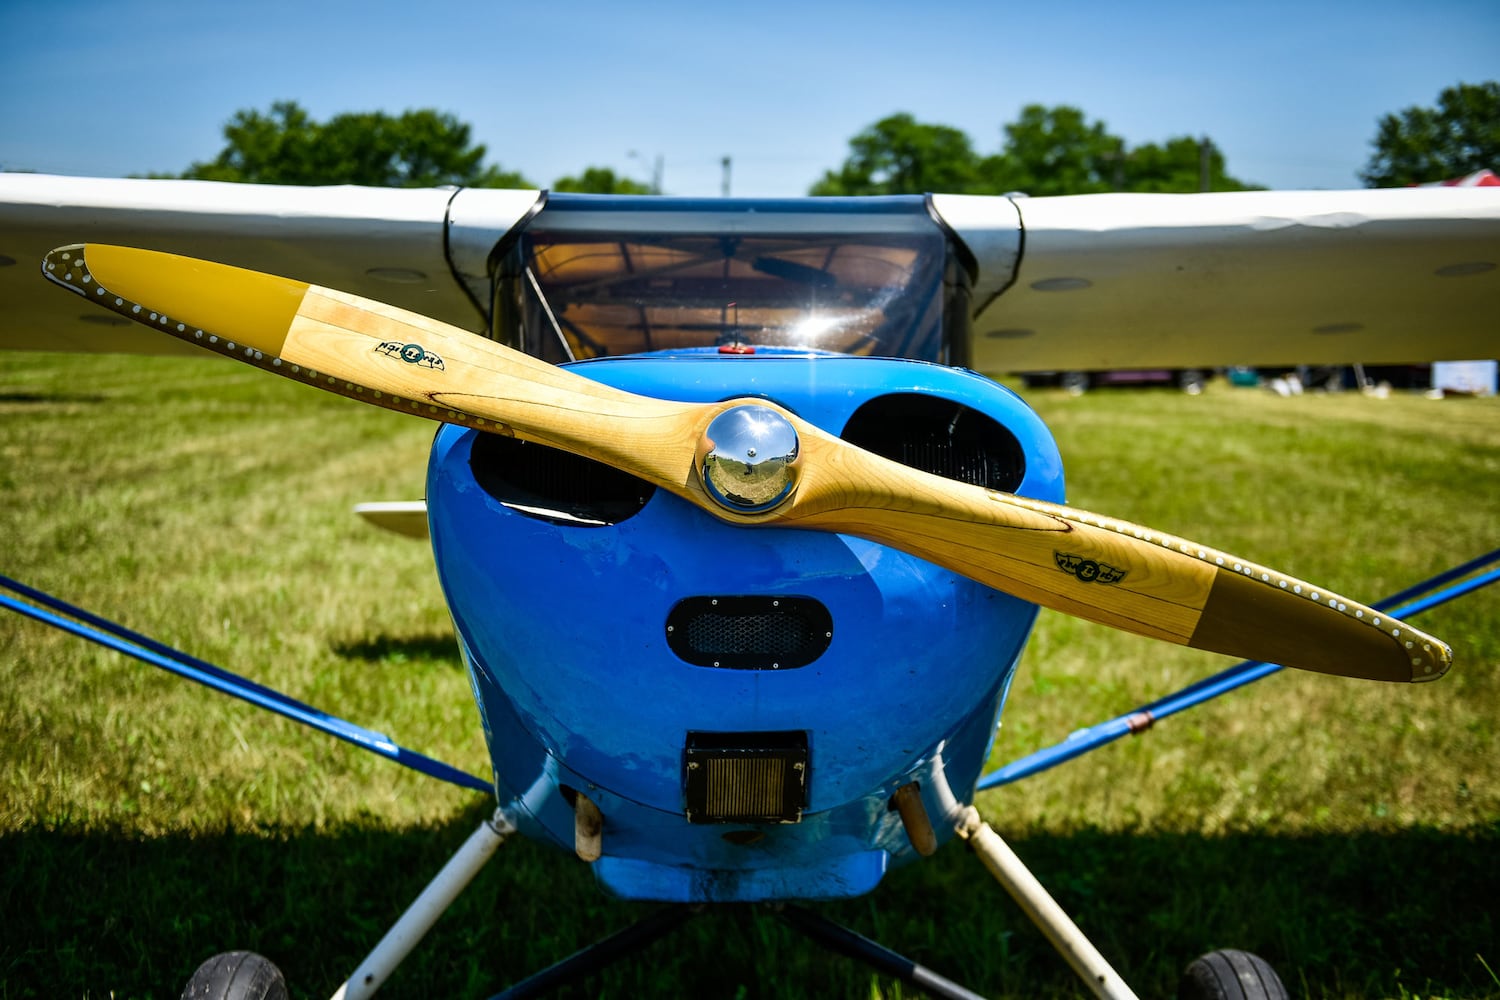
x=1229 y=974
x=236 y=975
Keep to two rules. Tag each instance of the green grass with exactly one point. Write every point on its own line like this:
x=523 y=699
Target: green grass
x=1346 y=831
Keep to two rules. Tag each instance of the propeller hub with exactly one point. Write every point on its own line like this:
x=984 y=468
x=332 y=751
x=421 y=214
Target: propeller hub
x=748 y=458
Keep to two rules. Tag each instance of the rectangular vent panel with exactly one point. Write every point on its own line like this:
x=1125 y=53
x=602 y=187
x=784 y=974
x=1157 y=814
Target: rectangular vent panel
x=749 y=633
x=745 y=777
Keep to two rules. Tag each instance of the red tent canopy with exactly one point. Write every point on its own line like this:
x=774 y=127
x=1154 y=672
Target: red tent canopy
x=1482 y=178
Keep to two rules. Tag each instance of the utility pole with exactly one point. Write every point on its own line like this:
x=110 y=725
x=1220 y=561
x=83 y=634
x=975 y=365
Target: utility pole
x=724 y=188
x=657 y=167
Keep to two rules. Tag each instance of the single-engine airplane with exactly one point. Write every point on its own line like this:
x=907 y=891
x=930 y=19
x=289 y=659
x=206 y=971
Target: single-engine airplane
x=750 y=435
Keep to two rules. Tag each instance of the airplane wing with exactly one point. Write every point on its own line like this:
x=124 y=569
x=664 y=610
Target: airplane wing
x=1083 y=282
x=423 y=249
x=1091 y=282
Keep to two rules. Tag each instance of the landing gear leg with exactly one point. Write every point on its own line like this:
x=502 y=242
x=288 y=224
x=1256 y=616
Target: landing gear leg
x=1041 y=908
x=424 y=912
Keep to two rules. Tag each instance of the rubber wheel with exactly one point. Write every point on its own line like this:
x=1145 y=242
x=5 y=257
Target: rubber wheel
x=236 y=975
x=1229 y=974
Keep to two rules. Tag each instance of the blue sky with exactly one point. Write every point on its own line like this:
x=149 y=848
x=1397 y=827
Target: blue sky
x=1290 y=92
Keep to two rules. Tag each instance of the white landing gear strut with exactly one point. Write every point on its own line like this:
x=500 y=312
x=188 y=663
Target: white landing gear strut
x=424 y=912
x=1041 y=907
x=997 y=856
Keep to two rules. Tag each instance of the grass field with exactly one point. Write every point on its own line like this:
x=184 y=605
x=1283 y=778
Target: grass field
x=1349 y=832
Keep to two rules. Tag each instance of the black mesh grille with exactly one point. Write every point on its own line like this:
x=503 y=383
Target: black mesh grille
x=778 y=633
x=749 y=633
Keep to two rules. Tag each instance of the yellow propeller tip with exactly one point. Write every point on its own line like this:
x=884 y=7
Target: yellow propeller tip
x=182 y=296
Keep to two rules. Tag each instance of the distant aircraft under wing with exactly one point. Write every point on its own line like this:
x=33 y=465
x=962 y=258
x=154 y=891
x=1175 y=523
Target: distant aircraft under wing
x=1083 y=282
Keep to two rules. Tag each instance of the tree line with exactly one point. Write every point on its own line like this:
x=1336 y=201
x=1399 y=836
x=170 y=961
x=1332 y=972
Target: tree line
x=1046 y=151
x=422 y=148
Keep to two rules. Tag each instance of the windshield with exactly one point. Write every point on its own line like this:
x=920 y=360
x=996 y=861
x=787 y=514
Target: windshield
x=594 y=277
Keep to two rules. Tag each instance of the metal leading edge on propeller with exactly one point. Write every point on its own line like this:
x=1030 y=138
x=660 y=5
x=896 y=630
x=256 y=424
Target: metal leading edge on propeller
x=1098 y=568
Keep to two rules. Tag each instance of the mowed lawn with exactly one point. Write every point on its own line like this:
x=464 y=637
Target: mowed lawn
x=1347 y=831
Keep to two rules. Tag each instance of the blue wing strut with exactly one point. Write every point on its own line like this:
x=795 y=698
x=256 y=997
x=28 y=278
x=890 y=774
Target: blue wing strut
x=1246 y=672
x=122 y=640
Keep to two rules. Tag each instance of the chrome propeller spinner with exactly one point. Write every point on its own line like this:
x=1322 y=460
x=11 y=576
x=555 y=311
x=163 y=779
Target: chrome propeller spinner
x=747 y=458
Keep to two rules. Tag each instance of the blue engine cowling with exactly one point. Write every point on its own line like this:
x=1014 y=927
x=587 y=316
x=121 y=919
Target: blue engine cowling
x=573 y=590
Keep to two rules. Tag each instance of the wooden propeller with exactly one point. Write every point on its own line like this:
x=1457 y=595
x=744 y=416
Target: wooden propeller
x=1094 y=567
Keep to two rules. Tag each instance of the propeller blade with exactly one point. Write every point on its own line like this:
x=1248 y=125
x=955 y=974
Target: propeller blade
x=1094 y=567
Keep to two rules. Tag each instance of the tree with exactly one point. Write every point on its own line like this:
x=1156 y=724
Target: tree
x=1460 y=136
x=422 y=148
x=1056 y=151
x=600 y=180
x=900 y=155
x=1179 y=165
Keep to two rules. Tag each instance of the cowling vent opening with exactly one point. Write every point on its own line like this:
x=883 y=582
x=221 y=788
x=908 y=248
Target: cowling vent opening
x=939 y=436
x=554 y=485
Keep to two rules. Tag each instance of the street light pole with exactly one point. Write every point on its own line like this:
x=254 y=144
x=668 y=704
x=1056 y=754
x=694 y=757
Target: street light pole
x=656 y=169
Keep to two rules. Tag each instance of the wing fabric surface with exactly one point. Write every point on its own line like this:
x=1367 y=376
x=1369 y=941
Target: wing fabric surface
x=1086 y=282
x=1260 y=278
x=422 y=249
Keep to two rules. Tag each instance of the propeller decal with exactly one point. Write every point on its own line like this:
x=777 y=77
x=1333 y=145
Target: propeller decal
x=412 y=354
x=1087 y=570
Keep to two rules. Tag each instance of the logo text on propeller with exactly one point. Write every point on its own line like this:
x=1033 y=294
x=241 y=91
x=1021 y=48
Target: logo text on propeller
x=1088 y=570
x=412 y=354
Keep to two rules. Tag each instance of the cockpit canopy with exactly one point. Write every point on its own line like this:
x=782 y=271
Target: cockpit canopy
x=590 y=276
